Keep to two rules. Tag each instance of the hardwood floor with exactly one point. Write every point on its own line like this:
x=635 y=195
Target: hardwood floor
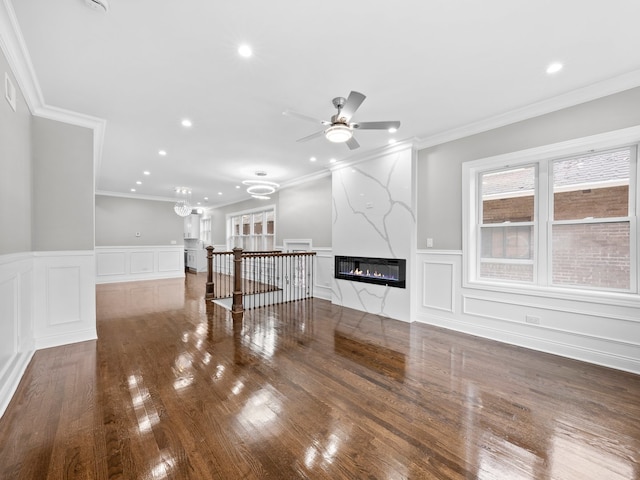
x=176 y=388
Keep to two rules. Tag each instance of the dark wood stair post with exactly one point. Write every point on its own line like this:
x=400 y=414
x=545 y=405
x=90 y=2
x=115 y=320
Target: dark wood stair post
x=209 y=289
x=236 y=307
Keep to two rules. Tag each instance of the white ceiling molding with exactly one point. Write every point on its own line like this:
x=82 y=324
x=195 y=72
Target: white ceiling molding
x=105 y=193
x=570 y=99
x=14 y=48
x=13 y=45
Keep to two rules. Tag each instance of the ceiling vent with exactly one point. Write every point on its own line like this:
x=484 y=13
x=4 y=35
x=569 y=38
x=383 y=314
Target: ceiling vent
x=100 y=5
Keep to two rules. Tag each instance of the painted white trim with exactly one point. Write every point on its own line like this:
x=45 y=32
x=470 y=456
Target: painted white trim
x=11 y=379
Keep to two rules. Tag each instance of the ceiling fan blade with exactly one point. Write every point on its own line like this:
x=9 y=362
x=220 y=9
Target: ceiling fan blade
x=352 y=143
x=311 y=137
x=376 y=125
x=351 y=105
x=302 y=116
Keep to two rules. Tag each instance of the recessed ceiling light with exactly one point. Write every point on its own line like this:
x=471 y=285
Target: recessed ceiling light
x=138 y=182
x=237 y=186
x=219 y=193
x=312 y=159
x=186 y=122
x=206 y=198
x=245 y=51
x=133 y=189
x=162 y=152
x=147 y=172
x=555 y=67
x=333 y=160
x=392 y=130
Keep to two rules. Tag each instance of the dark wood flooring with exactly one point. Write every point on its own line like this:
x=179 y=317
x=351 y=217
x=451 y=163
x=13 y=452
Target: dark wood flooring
x=176 y=388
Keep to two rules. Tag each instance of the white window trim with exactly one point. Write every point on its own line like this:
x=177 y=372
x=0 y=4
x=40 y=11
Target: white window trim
x=541 y=155
x=229 y=216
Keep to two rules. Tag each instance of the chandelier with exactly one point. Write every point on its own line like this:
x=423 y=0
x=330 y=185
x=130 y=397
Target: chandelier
x=260 y=189
x=183 y=201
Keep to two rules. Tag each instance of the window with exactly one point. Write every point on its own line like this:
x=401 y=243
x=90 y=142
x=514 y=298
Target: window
x=562 y=217
x=507 y=224
x=590 y=224
x=253 y=230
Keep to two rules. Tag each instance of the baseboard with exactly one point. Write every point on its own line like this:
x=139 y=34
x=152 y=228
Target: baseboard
x=139 y=277
x=65 y=339
x=11 y=378
x=574 y=351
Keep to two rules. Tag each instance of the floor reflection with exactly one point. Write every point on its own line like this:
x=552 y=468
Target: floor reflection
x=178 y=387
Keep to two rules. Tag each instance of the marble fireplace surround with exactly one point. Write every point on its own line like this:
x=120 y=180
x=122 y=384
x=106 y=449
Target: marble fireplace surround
x=374 y=216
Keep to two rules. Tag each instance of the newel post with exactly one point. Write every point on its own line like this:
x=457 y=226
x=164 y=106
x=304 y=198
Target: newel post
x=209 y=288
x=236 y=307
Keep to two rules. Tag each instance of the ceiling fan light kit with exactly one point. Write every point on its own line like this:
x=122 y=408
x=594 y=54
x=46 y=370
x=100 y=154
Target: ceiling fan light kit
x=338 y=133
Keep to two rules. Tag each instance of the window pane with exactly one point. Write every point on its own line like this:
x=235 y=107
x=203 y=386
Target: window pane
x=509 y=242
x=592 y=254
x=592 y=186
x=508 y=195
x=518 y=272
x=270 y=221
x=246 y=224
x=269 y=243
x=257 y=224
x=236 y=226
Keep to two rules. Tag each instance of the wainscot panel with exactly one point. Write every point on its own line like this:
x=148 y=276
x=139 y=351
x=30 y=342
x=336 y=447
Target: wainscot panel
x=127 y=264
x=600 y=331
x=323 y=270
x=16 y=321
x=65 y=302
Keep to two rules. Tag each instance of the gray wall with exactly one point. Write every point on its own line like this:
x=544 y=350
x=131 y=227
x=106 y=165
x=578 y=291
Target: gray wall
x=439 y=181
x=15 y=171
x=62 y=186
x=118 y=219
x=305 y=212
x=302 y=211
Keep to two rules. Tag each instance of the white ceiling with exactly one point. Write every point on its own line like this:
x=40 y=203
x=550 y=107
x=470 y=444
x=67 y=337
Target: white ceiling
x=435 y=65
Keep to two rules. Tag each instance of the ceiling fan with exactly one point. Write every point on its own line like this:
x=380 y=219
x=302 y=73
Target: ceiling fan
x=340 y=128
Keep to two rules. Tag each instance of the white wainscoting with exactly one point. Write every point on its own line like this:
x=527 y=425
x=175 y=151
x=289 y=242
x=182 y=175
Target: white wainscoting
x=65 y=307
x=47 y=299
x=16 y=321
x=127 y=264
x=596 y=331
x=323 y=273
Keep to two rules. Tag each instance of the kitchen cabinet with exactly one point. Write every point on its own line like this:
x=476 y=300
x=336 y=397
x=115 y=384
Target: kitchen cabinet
x=192 y=226
x=196 y=259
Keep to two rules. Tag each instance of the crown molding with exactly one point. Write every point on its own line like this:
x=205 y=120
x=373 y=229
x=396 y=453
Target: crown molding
x=107 y=193
x=566 y=100
x=15 y=49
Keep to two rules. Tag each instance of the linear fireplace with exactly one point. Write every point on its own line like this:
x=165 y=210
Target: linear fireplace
x=380 y=271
